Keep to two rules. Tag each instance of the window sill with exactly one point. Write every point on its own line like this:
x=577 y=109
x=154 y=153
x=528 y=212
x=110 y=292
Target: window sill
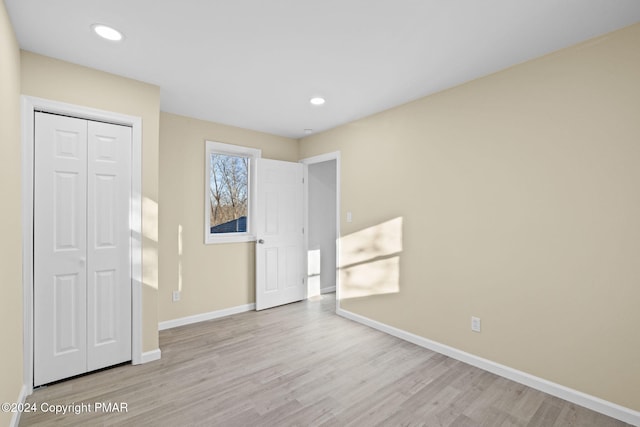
x=241 y=238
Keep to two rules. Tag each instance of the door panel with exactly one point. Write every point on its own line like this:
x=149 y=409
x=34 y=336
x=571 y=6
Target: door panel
x=66 y=189
x=279 y=261
x=104 y=197
x=59 y=247
x=291 y=259
x=108 y=245
x=271 y=270
x=66 y=288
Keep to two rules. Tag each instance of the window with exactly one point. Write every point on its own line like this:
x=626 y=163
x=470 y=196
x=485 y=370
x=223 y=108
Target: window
x=230 y=195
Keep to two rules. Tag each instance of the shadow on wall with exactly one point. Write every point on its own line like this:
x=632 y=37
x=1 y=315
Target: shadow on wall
x=370 y=260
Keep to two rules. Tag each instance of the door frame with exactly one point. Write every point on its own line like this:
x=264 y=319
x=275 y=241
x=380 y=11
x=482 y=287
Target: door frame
x=29 y=106
x=335 y=155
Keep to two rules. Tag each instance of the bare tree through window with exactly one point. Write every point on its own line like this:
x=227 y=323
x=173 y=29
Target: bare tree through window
x=229 y=195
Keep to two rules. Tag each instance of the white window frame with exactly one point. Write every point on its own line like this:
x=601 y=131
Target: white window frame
x=213 y=147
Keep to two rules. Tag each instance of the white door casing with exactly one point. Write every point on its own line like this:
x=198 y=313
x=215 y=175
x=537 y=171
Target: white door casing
x=82 y=260
x=279 y=232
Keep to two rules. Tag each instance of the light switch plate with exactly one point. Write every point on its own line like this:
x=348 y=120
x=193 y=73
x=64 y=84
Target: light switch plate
x=475 y=324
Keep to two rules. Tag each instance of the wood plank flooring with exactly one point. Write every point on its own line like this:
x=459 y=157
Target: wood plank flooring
x=301 y=365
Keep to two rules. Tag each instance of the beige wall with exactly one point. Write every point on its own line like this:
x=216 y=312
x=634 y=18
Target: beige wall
x=10 y=224
x=50 y=78
x=516 y=199
x=210 y=277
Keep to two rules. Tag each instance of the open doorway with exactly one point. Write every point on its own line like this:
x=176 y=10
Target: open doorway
x=322 y=224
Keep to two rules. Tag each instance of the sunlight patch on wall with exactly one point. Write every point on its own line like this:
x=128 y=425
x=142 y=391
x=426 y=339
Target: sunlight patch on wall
x=150 y=243
x=150 y=219
x=370 y=260
x=371 y=278
x=150 y=265
x=313 y=272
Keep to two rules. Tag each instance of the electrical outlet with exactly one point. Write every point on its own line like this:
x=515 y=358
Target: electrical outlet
x=475 y=324
x=176 y=296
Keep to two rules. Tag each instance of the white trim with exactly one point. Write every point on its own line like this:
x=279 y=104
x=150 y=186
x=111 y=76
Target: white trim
x=31 y=104
x=579 y=398
x=150 y=356
x=305 y=228
x=328 y=290
x=22 y=397
x=136 y=245
x=27 y=240
x=231 y=150
x=334 y=155
x=168 y=324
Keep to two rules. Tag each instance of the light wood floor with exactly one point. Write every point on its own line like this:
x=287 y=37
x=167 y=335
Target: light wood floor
x=301 y=365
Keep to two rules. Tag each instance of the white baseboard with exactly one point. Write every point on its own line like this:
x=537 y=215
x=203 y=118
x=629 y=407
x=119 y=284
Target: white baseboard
x=328 y=290
x=150 y=356
x=168 y=324
x=22 y=397
x=579 y=398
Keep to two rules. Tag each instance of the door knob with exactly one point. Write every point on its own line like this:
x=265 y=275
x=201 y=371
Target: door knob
x=261 y=241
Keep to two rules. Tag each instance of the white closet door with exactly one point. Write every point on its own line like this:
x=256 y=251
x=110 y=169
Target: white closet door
x=108 y=245
x=60 y=225
x=82 y=253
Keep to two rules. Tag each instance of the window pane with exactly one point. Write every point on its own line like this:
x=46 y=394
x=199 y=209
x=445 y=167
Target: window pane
x=229 y=193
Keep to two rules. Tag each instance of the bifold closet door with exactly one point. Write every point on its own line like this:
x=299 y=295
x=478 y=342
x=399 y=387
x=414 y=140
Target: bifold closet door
x=82 y=285
x=60 y=248
x=108 y=245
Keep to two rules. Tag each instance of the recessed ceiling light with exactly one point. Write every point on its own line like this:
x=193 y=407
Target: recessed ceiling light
x=107 y=32
x=308 y=131
x=317 y=100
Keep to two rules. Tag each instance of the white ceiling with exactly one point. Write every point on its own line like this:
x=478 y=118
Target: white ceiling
x=256 y=63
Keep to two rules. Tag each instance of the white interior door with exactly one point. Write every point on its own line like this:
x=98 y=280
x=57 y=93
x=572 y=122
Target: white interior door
x=279 y=230
x=108 y=245
x=60 y=235
x=82 y=268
